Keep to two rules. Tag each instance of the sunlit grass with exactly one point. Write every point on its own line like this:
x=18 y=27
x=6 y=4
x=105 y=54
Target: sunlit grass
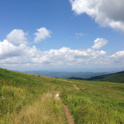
x=45 y=110
x=96 y=102
x=29 y=99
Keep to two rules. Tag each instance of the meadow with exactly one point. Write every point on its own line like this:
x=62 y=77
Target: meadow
x=30 y=99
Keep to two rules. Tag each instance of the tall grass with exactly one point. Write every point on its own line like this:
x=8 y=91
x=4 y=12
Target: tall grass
x=96 y=102
x=29 y=99
x=46 y=110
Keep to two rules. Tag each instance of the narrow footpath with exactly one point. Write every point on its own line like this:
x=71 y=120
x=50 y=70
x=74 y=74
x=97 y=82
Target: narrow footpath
x=69 y=117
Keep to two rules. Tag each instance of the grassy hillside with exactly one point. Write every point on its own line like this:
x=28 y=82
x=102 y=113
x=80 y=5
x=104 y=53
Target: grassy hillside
x=29 y=99
x=116 y=77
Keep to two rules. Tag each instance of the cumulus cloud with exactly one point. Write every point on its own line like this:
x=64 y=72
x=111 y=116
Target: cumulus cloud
x=42 y=34
x=105 y=12
x=24 y=56
x=99 y=42
x=7 y=49
x=118 y=57
x=21 y=53
x=17 y=37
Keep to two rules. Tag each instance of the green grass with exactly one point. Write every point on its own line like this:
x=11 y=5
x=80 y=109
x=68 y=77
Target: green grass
x=115 y=77
x=96 y=102
x=26 y=98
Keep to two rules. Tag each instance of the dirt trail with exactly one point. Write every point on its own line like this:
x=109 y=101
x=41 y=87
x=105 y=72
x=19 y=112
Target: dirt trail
x=69 y=117
x=76 y=87
x=74 y=84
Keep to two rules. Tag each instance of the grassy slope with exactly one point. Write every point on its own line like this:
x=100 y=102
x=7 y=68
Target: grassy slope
x=30 y=99
x=116 y=77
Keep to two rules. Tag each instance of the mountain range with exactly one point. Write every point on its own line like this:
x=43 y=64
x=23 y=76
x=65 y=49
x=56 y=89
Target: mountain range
x=114 y=77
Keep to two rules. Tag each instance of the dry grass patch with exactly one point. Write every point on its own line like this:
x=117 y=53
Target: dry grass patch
x=47 y=110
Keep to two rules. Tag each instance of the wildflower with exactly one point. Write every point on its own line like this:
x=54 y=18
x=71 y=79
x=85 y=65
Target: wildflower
x=57 y=95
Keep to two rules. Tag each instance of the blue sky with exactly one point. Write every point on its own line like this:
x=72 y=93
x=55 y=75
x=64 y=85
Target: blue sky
x=62 y=34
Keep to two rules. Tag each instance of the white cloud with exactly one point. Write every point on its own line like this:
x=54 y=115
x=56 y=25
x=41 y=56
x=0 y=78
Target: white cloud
x=29 y=57
x=10 y=53
x=17 y=37
x=79 y=34
x=99 y=42
x=118 y=54
x=105 y=12
x=118 y=57
x=7 y=49
x=41 y=34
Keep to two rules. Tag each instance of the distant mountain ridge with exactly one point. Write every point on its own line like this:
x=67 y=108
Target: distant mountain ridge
x=67 y=74
x=117 y=77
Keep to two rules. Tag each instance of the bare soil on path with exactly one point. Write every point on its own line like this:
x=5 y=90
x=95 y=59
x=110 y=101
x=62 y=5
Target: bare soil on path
x=69 y=117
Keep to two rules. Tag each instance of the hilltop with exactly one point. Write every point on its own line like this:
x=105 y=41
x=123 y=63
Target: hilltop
x=27 y=98
x=115 y=77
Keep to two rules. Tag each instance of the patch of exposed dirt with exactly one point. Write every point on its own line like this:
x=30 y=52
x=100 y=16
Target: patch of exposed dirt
x=69 y=117
x=76 y=87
